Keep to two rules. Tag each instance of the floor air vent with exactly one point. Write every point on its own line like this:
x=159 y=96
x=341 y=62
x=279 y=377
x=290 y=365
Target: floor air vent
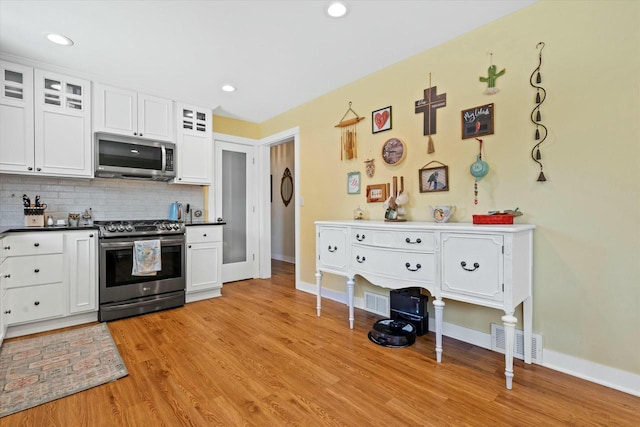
x=375 y=303
x=497 y=343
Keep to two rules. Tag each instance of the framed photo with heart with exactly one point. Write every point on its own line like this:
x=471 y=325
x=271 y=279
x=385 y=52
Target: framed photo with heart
x=381 y=119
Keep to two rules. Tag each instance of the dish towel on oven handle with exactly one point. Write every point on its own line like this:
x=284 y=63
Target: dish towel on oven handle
x=147 y=258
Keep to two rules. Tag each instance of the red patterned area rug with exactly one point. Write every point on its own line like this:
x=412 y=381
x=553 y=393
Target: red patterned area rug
x=38 y=370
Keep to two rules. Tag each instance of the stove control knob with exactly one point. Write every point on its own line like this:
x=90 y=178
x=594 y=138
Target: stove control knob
x=111 y=228
x=162 y=226
x=120 y=227
x=176 y=226
x=129 y=227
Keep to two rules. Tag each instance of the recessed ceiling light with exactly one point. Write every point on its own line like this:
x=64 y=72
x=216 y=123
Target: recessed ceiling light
x=59 y=39
x=337 y=9
x=229 y=88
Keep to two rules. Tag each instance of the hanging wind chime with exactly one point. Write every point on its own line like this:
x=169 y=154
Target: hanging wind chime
x=536 y=117
x=349 y=137
x=478 y=169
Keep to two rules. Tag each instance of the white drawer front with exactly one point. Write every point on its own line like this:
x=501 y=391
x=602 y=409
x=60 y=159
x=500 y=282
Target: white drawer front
x=332 y=248
x=20 y=244
x=473 y=266
x=400 y=264
x=32 y=270
x=400 y=239
x=202 y=234
x=34 y=303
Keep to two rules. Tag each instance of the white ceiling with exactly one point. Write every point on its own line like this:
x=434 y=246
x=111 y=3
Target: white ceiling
x=280 y=54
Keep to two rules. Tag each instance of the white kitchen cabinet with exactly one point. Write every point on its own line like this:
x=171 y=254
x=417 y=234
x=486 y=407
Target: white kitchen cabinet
x=487 y=265
x=63 y=144
x=80 y=253
x=46 y=123
x=204 y=262
x=16 y=119
x=194 y=141
x=32 y=281
x=48 y=280
x=3 y=297
x=127 y=112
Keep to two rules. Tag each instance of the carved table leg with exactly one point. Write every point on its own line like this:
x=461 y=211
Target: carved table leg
x=350 y=286
x=509 y=337
x=318 y=291
x=438 y=304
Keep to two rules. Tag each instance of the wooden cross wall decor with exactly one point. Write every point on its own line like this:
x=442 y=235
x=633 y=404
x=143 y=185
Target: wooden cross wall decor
x=429 y=106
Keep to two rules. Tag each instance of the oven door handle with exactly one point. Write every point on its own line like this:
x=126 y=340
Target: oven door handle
x=129 y=244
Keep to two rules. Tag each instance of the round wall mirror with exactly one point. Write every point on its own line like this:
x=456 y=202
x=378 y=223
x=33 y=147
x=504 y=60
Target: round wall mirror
x=286 y=187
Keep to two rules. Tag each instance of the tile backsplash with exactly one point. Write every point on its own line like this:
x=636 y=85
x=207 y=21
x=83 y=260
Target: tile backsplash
x=109 y=199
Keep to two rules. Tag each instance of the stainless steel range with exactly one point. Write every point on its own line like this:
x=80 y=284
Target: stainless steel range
x=123 y=293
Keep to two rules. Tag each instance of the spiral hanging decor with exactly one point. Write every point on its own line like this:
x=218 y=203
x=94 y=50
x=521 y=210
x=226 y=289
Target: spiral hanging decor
x=536 y=117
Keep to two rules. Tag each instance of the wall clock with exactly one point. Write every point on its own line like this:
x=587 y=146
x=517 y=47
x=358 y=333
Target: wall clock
x=393 y=151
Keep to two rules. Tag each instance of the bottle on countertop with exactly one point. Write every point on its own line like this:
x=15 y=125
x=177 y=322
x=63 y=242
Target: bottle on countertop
x=49 y=221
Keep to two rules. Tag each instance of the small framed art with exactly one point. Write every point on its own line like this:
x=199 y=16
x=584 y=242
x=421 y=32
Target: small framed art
x=381 y=120
x=434 y=179
x=477 y=121
x=353 y=183
x=376 y=193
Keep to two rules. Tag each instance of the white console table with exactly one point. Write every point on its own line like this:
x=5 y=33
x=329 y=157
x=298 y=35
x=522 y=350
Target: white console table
x=487 y=265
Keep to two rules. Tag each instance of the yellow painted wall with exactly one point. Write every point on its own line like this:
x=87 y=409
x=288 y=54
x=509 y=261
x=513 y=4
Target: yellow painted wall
x=587 y=244
x=235 y=127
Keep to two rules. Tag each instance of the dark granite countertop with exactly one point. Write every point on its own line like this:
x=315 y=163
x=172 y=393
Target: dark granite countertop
x=23 y=229
x=193 y=224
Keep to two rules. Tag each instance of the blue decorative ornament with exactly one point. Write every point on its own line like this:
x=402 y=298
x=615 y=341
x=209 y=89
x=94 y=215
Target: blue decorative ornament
x=479 y=168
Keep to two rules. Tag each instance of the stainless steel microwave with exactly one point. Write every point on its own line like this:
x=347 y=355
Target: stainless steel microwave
x=118 y=156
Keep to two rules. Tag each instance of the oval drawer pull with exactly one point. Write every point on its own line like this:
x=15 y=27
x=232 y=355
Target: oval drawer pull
x=37 y=270
x=360 y=260
x=360 y=238
x=408 y=240
x=36 y=303
x=36 y=244
x=335 y=248
x=408 y=265
x=475 y=266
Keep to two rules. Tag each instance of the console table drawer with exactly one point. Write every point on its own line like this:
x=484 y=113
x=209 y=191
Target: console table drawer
x=399 y=264
x=398 y=239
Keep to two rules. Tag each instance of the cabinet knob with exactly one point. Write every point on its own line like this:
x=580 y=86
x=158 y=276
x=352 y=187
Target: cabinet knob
x=37 y=270
x=7 y=312
x=36 y=303
x=38 y=169
x=30 y=168
x=360 y=238
x=135 y=133
x=464 y=266
x=140 y=134
x=204 y=235
x=335 y=248
x=36 y=244
x=90 y=235
x=189 y=246
x=6 y=276
x=360 y=260
x=7 y=248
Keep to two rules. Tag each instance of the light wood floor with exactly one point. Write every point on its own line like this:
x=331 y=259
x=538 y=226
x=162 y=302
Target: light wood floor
x=259 y=356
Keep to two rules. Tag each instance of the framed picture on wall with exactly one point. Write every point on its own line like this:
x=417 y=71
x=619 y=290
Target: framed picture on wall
x=376 y=193
x=381 y=120
x=353 y=183
x=477 y=121
x=434 y=179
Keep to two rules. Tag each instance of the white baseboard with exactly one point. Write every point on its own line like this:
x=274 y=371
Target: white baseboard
x=285 y=258
x=617 y=379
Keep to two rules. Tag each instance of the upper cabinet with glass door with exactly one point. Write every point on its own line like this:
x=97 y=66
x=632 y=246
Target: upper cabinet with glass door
x=63 y=144
x=16 y=119
x=195 y=145
x=46 y=123
x=127 y=112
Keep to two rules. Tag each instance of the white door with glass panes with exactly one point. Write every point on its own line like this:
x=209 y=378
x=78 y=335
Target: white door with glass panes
x=194 y=141
x=235 y=204
x=16 y=118
x=63 y=144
